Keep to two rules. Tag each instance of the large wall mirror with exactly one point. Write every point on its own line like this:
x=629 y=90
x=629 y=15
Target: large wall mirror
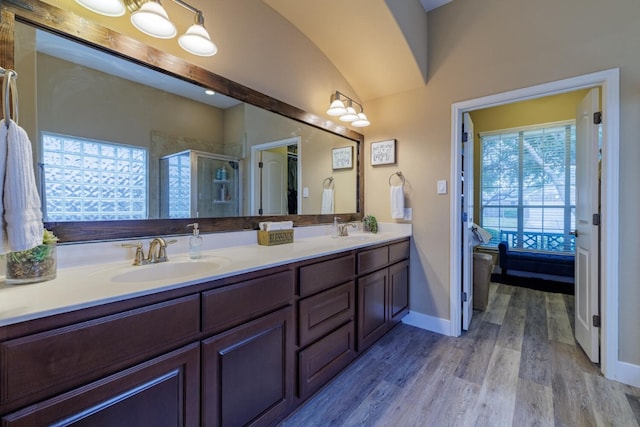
x=147 y=150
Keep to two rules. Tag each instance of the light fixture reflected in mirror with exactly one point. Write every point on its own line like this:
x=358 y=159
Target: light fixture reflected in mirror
x=152 y=19
x=347 y=113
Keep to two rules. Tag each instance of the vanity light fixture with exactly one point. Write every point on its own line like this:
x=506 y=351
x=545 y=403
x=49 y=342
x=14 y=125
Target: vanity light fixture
x=152 y=19
x=347 y=113
x=104 y=7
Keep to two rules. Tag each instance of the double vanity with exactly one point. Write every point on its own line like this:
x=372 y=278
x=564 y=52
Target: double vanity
x=241 y=336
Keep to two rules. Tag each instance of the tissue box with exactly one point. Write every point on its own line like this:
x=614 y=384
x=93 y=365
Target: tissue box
x=276 y=237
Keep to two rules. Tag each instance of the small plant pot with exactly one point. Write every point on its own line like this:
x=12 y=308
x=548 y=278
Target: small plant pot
x=31 y=266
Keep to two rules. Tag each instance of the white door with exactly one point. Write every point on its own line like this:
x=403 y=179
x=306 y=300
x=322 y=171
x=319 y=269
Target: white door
x=274 y=183
x=467 y=222
x=587 y=296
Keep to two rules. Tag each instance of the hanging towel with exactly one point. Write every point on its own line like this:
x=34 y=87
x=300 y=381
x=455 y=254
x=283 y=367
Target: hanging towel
x=480 y=235
x=397 y=201
x=21 y=213
x=327 y=201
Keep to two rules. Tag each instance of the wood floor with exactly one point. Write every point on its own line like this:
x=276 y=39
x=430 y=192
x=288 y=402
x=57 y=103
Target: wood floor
x=518 y=365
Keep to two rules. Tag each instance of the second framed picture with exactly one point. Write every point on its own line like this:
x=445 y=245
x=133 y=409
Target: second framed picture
x=383 y=152
x=342 y=158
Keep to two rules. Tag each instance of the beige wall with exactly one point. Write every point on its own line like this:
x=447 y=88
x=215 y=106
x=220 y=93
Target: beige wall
x=482 y=48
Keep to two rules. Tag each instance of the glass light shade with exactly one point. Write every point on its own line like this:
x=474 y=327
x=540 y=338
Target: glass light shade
x=104 y=7
x=153 y=20
x=350 y=115
x=336 y=108
x=361 y=121
x=197 y=41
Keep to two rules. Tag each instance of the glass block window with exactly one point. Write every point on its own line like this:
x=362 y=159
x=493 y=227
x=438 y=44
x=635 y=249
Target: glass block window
x=89 y=180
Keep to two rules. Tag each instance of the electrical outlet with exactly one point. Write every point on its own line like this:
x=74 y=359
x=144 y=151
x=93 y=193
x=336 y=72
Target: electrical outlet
x=442 y=186
x=408 y=212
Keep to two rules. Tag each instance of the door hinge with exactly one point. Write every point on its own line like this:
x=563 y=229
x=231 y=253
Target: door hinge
x=597 y=117
x=596 y=219
x=260 y=211
x=464 y=297
x=260 y=165
x=465 y=136
x=596 y=321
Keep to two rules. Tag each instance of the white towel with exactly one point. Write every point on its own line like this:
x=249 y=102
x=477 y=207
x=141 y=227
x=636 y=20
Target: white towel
x=397 y=201
x=327 y=201
x=480 y=235
x=275 y=225
x=21 y=214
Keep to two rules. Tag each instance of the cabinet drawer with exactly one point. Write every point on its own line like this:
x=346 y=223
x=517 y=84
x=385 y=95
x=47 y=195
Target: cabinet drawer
x=232 y=305
x=326 y=274
x=170 y=384
x=372 y=259
x=46 y=363
x=324 y=312
x=398 y=251
x=322 y=360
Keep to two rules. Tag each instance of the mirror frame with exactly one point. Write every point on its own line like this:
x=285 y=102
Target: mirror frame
x=66 y=24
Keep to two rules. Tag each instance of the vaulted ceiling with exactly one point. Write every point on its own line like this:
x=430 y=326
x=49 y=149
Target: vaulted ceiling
x=379 y=46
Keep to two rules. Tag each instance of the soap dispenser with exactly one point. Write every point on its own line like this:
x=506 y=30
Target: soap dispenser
x=195 y=242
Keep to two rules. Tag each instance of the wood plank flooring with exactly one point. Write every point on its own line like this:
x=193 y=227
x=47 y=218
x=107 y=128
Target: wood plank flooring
x=518 y=365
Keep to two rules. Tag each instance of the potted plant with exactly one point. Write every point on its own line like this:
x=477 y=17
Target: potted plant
x=369 y=223
x=33 y=265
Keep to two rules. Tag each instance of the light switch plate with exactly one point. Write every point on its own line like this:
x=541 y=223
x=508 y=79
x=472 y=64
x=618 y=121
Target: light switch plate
x=408 y=213
x=305 y=192
x=442 y=186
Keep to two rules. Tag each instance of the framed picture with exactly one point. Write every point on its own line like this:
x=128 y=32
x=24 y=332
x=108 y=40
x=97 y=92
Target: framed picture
x=383 y=152
x=342 y=157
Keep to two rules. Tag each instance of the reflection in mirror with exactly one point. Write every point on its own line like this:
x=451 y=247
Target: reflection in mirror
x=106 y=126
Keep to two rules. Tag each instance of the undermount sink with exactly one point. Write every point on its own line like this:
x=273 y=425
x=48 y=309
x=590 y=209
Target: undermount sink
x=172 y=269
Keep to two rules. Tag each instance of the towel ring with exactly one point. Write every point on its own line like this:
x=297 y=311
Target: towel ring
x=400 y=175
x=328 y=183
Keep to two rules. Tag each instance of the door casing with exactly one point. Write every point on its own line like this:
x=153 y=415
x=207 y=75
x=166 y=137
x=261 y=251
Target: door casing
x=609 y=81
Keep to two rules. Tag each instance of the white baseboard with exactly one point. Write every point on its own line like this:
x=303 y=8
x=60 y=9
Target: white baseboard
x=629 y=373
x=430 y=323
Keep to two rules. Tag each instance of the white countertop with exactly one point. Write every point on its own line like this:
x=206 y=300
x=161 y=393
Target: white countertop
x=80 y=284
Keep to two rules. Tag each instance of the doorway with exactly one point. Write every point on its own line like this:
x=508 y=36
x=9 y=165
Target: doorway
x=276 y=176
x=609 y=82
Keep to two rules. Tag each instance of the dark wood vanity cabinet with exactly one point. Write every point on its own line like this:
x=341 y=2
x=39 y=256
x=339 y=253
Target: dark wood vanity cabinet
x=248 y=372
x=164 y=391
x=243 y=350
x=326 y=321
x=248 y=365
x=383 y=290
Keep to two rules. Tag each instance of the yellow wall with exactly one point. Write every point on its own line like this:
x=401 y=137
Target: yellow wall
x=549 y=109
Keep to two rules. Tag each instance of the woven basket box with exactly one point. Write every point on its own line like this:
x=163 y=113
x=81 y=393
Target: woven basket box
x=277 y=237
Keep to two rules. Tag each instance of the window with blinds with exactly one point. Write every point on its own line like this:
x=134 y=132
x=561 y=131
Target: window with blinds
x=527 y=190
x=89 y=180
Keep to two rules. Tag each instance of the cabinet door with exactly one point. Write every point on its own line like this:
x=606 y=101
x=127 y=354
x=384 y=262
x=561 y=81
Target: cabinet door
x=372 y=307
x=164 y=391
x=398 y=291
x=248 y=372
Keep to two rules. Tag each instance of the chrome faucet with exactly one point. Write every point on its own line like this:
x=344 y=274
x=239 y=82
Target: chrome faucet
x=343 y=229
